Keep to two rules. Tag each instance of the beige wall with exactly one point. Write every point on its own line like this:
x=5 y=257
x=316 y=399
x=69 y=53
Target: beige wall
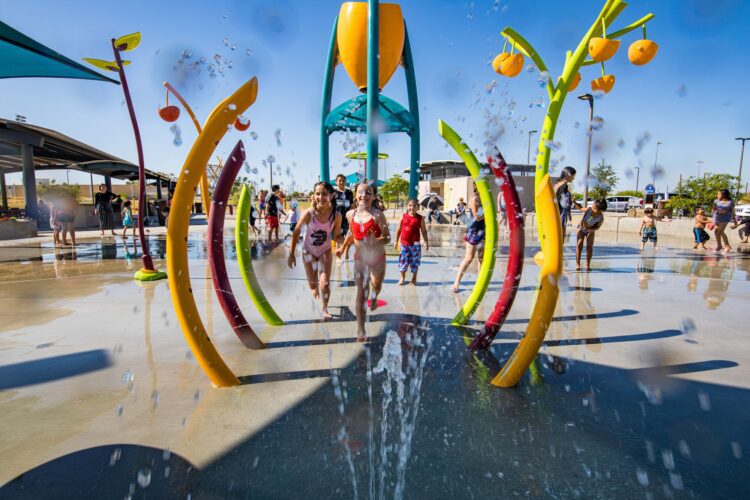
x=461 y=187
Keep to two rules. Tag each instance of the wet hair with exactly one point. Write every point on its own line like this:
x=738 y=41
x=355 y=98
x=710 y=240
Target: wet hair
x=368 y=185
x=126 y=203
x=649 y=210
x=601 y=205
x=567 y=173
x=725 y=194
x=327 y=186
x=412 y=200
x=700 y=209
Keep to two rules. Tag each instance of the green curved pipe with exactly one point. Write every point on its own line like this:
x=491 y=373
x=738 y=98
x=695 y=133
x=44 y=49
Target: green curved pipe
x=490 y=221
x=245 y=262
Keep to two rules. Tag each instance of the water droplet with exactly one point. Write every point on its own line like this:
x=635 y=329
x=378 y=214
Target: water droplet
x=115 y=457
x=144 y=478
x=689 y=330
x=681 y=90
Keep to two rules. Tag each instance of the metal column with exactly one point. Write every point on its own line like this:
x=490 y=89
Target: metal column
x=29 y=182
x=373 y=82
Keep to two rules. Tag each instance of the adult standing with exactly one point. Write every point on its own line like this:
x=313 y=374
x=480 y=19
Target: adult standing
x=723 y=215
x=433 y=207
x=103 y=208
x=343 y=201
x=565 y=201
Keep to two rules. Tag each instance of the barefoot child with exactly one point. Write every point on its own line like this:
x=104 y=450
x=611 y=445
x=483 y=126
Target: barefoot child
x=699 y=229
x=321 y=219
x=591 y=221
x=407 y=239
x=368 y=230
x=127 y=219
x=474 y=239
x=648 y=228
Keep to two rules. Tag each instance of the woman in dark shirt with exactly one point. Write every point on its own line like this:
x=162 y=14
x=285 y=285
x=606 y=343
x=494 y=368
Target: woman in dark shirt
x=103 y=207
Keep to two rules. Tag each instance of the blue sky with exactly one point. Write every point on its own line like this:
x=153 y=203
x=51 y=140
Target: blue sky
x=693 y=97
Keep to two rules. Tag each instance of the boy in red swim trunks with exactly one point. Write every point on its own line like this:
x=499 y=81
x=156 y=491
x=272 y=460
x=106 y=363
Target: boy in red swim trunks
x=273 y=202
x=407 y=239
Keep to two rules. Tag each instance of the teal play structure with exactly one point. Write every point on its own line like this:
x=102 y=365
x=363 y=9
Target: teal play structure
x=371 y=112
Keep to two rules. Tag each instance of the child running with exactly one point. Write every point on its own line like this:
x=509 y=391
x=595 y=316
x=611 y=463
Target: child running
x=127 y=219
x=591 y=221
x=474 y=239
x=648 y=228
x=321 y=219
x=54 y=223
x=407 y=238
x=368 y=230
x=699 y=229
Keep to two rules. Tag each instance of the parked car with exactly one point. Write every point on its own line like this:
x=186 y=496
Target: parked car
x=742 y=210
x=634 y=202
x=614 y=203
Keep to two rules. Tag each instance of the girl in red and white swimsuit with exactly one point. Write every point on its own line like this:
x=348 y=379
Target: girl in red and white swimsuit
x=321 y=221
x=368 y=230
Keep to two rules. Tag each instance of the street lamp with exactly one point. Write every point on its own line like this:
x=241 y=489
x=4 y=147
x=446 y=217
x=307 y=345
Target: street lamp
x=656 y=161
x=700 y=163
x=637 y=178
x=742 y=153
x=590 y=99
x=528 y=150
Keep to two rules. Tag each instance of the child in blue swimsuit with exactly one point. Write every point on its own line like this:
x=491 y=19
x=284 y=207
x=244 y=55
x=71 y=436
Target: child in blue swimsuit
x=127 y=219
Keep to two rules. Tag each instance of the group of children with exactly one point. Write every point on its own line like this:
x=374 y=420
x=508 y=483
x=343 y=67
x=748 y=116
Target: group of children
x=354 y=219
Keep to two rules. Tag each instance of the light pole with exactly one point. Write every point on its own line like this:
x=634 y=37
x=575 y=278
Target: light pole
x=742 y=153
x=590 y=99
x=269 y=161
x=528 y=150
x=637 y=178
x=700 y=163
x=656 y=161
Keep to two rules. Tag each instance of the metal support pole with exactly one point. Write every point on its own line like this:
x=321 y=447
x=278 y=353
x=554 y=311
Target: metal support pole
x=108 y=182
x=637 y=178
x=656 y=161
x=411 y=90
x=325 y=167
x=29 y=182
x=588 y=155
x=373 y=90
x=4 y=194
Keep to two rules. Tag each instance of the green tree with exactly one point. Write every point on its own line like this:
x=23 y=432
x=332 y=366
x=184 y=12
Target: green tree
x=701 y=191
x=50 y=190
x=394 y=188
x=604 y=180
x=234 y=194
x=630 y=192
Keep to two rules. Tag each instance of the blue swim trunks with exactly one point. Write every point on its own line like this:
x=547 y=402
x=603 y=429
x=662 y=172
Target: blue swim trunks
x=410 y=257
x=649 y=234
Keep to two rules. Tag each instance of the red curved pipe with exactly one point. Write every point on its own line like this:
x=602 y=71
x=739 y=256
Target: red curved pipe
x=222 y=287
x=515 y=254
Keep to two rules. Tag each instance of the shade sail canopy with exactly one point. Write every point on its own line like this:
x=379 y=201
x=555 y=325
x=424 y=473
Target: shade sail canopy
x=352 y=116
x=21 y=57
x=356 y=178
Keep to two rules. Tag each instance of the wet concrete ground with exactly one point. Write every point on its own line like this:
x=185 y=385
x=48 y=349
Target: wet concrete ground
x=641 y=389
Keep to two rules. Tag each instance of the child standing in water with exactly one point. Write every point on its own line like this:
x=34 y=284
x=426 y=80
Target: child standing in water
x=648 y=228
x=321 y=219
x=474 y=238
x=294 y=219
x=699 y=229
x=127 y=219
x=591 y=221
x=407 y=240
x=368 y=230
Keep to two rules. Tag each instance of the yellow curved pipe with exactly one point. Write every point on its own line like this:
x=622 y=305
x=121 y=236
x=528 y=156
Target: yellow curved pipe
x=548 y=291
x=214 y=129
x=204 y=178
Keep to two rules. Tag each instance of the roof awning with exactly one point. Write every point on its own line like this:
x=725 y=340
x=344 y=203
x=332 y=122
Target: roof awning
x=55 y=151
x=21 y=57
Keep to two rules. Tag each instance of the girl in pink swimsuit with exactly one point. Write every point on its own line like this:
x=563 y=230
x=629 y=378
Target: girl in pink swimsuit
x=321 y=220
